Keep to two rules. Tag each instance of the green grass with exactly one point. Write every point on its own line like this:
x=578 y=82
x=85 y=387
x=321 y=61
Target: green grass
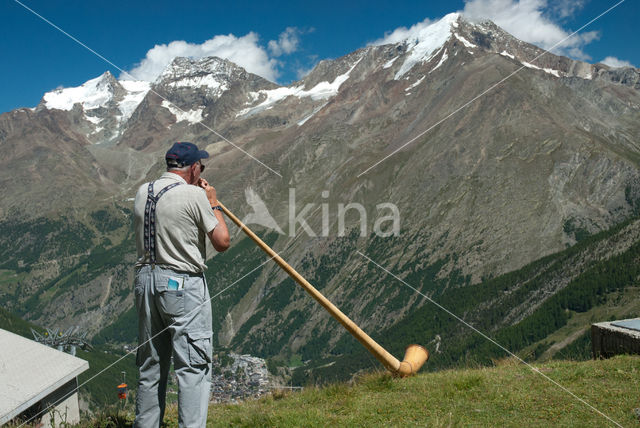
x=9 y=279
x=295 y=360
x=506 y=395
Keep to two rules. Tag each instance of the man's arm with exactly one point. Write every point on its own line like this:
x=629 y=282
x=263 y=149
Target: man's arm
x=219 y=236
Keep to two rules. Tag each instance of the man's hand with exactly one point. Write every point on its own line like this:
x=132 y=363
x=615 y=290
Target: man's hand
x=210 y=190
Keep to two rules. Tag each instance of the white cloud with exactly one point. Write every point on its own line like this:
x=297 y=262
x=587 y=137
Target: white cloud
x=287 y=43
x=402 y=33
x=566 y=8
x=526 y=20
x=244 y=51
x=612 y=61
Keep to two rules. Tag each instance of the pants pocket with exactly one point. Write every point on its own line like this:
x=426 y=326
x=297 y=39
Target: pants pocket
x=172 y=302
x=199 y=348
x=171 y=297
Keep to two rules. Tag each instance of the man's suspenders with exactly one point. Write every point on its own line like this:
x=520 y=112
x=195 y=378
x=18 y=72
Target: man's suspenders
x=150 y=221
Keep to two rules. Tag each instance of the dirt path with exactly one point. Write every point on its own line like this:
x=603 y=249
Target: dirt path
x=106 y=293
x=560 y=345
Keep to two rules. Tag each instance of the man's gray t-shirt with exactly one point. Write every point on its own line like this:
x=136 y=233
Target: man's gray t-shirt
x=183 y=219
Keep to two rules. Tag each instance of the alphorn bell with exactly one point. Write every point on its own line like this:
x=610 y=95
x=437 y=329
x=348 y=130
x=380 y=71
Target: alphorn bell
x=415 y=355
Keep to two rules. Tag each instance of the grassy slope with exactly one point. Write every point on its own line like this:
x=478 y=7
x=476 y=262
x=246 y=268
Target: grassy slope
x=509 y=395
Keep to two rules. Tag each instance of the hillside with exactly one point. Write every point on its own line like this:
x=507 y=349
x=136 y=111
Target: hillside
x=506 y=395
x=536 y=311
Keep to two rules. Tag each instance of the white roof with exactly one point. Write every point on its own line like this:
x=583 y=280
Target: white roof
x=612 y=326
x=29 y=371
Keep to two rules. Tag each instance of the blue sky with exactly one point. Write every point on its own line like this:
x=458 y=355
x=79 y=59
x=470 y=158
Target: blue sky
x=279 y=40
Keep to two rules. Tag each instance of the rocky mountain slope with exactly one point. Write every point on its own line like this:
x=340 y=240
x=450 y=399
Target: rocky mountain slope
x=548 y=155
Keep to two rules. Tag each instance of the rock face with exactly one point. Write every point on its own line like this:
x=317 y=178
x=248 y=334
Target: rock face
x=494 y=153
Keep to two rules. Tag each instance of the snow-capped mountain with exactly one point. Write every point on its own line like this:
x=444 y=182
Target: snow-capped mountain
x=213 y=74
x=190 y=87
x=100 y=92
x=106 y=103
x=190 y=90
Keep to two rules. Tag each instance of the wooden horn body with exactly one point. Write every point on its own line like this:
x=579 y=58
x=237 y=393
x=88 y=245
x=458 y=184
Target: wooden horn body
x=415 y=355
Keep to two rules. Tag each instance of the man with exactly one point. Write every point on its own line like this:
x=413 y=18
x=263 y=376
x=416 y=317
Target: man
x=174 y=216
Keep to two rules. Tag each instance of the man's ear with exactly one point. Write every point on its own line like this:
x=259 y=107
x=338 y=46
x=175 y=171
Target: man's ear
x=192 y=173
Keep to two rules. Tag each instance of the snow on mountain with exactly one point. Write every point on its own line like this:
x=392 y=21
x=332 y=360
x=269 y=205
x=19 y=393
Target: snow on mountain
x=419 y=81
x=424 y=43
x=546 y=70
x=321 y=91
x=211 y=73
x=507 y=54
x=191 y=116
x=99 y=92
x=92 y=94
x=390 y=62
x=199 y=81
x=93 y=119
x=136 y=91
x=442 y=60
x=464 y=41
x=551 y=71
x=313 y=113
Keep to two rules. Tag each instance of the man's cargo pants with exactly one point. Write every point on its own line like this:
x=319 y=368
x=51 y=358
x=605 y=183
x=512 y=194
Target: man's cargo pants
x=174 y=318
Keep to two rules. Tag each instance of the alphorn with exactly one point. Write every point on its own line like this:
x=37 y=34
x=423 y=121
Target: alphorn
x=415 y=355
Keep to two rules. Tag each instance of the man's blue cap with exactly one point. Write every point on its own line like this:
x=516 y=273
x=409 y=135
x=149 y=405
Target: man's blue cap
x=184 y=153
